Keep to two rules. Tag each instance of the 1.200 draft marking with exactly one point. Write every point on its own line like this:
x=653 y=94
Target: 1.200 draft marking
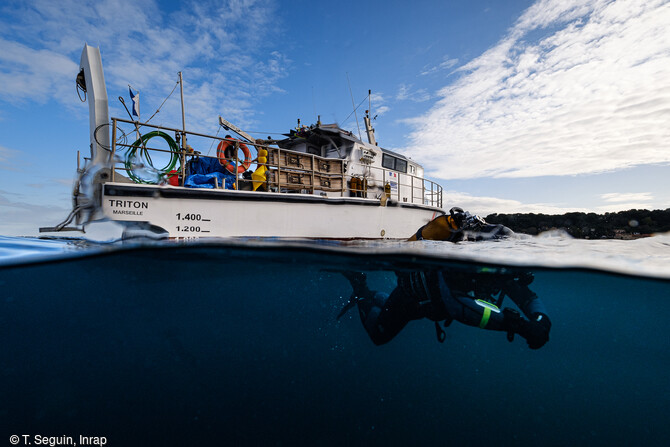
x=191 y=229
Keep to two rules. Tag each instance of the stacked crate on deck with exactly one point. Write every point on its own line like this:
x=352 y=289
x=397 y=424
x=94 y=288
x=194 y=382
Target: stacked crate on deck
x=328 y=174
x=303 y=173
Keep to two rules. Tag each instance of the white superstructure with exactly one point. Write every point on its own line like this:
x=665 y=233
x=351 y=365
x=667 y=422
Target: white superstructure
x=319 y=182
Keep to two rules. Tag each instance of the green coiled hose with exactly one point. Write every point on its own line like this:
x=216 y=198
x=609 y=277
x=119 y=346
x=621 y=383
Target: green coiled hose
x=140 y=145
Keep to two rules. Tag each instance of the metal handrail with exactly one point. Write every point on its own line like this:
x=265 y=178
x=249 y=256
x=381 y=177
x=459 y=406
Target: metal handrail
x=431 y=198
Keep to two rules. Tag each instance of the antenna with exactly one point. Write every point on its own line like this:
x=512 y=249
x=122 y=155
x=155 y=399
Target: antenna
x=354 y=106
x=313 y=101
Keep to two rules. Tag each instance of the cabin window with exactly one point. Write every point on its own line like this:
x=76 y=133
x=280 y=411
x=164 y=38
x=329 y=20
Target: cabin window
x=388 y=162
x=395 y=163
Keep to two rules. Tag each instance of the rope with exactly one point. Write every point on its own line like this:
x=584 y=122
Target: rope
x=79 y=90
x=121 y=139
x=168 y=97
x=212 y=144
x=352 y=112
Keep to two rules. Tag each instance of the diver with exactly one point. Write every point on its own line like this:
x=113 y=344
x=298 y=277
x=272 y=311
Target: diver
x=472 y=297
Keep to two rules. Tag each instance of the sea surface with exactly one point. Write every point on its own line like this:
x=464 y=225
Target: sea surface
x=237 y=342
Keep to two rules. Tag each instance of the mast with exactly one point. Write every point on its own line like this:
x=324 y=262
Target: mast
x=182 y=155
x=368 y=125
x=183 y=116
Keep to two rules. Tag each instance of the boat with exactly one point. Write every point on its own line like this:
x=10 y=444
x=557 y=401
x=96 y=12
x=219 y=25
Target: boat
x=320 y=181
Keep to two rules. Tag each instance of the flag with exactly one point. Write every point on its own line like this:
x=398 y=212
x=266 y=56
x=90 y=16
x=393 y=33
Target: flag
x=135 y=98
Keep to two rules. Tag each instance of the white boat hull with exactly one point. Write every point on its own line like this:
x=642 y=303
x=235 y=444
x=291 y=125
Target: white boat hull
x=195 y=213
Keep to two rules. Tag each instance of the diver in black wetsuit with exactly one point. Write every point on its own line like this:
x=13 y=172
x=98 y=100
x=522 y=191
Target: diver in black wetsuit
x=471 y=297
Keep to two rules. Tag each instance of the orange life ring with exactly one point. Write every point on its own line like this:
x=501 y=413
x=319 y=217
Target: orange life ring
x=227 y=163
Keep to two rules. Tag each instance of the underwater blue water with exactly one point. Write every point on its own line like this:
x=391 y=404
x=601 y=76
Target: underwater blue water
x=237 y=343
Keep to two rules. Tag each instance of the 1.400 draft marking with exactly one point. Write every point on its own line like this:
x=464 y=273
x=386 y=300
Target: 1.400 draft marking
x=192 y=217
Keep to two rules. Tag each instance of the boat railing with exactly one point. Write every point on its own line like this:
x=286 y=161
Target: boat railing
x=277 y=170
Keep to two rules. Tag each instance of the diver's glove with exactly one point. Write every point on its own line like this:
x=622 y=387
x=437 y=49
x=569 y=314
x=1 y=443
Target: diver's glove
x=466 y=221
x=473 y=222
x=535 y=331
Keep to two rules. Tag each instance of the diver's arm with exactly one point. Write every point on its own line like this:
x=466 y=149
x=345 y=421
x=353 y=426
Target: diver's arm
x=536 y=329
x=467 y=310
x=524 y=298
x=476 y=313
x=485 y=315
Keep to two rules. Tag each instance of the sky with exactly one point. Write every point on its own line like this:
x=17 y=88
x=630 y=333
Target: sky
x=546 y=106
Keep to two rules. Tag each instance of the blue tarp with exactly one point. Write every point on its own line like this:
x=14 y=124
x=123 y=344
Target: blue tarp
x=205 y=165
x=202 y=172
x=210 y=180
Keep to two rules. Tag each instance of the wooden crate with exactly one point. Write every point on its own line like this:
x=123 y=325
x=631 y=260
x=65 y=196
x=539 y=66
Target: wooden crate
x=290 y=160
x=292 y=179
x=328 y=166
x=328 y=182
x=303 y=162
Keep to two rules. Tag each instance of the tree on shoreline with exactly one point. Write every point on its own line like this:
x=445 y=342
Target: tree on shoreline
x=623 y=224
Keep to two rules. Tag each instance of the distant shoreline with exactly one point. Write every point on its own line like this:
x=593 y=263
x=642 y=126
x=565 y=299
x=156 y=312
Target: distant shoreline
x=631 y=224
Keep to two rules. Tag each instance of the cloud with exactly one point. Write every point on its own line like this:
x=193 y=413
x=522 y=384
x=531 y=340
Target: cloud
x=622 y=206
x=575 y=87
x=6 y=156
x=379 y=106
x=35 y=74
x=489 y=205
x=17 y=214
x=381 y=110
x=223 y=49
x=626 y=197
x=50 y=182
x=616 y=201
x=446 y=64
x=377 y=98
x=485 y=205
x=407 y=93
